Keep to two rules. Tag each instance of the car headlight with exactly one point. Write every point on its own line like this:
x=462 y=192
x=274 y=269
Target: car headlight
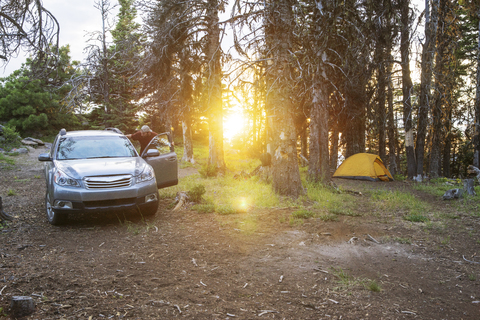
x=146 y=175
x=62 y=179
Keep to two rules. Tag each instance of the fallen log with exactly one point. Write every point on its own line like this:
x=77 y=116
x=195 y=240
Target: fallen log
x=453 y=194
x=182 y=199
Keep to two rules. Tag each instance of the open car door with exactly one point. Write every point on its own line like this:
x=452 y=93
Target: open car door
x=164 y=162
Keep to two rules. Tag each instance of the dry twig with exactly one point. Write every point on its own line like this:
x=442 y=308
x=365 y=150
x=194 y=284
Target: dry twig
x=474 y=262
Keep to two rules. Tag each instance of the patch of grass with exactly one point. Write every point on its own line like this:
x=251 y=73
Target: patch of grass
x=21 y=180
x=225 y=210
x=11 y=193
x=402 y=240
x=12 y=154
x=295 y=221
x=133 y=228
x=37 y=177
x=452 y=216
x=436 y=187
x=208 y=171
x=446 y=241
x=328 y=217
x=373 y=286
x=6 y=162
x=472 y=277
x=344 y=279
x=340 y=211
x=398 y=201
x=303 y=214
x=204 y=207
x=334 y=201
x=415 y=217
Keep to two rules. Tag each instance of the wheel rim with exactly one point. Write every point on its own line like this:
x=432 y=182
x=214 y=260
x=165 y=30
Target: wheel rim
x=49 y=208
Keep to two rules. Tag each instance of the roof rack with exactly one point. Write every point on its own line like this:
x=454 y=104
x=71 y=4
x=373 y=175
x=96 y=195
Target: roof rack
x=116 y=130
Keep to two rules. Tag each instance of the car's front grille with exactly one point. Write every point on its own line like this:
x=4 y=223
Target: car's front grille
x=108 y=182
x=109 y=203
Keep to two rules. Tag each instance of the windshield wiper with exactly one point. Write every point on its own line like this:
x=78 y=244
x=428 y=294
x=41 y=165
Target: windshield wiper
x=102 y=157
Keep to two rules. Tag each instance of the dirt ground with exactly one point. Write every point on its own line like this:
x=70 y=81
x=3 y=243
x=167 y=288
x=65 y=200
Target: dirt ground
x=182 y=264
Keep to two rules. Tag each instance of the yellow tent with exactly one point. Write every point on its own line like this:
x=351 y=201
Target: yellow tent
x=363 y=166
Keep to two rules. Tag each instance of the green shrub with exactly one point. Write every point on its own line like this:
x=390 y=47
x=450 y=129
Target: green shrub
x=196 y=193
x=208 y=171
x=11 y=138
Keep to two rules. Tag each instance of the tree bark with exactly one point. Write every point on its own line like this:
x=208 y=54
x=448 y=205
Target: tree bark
x=319 y=164
x=187 y=140
x=476 y=138
x=407 y=88
x=392 y=129
x=214 y=88
x=334 y=149
x=447 y=148
x=278 y=32
x=439 y=97
x=355 y=131
x=426 y=78
x=381 y=98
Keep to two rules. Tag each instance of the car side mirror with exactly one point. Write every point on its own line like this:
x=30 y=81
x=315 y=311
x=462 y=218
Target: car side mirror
x=152 y=153
x=44 y=157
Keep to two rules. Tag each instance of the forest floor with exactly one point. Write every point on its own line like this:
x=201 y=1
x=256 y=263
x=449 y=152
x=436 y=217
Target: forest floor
x=255 y=265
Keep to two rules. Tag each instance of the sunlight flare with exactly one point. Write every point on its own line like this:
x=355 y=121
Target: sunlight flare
x=233 y=123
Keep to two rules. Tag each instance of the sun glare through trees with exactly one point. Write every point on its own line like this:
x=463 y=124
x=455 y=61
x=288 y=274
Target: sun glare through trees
x=233 y=124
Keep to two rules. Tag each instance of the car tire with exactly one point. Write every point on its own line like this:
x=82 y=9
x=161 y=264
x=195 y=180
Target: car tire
x=53 y=217
x=150 y=210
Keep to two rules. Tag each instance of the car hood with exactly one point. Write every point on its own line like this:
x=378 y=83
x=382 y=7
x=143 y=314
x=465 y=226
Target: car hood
x=79 y=169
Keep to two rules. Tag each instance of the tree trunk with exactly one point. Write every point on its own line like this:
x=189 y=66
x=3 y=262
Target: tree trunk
x=187 y=140
x=426 y=78
x=304 y=141
x=355 y=130
x=278 y=32
x=319 y=164
x=334 y=149
x=447 y=146
x=439 y=97
x=476 y=138
x=407 y=88
x=392 y=129
x=214 y=89
x=381 y=98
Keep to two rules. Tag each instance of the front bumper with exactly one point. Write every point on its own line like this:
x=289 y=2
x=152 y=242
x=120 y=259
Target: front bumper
x=77 y=200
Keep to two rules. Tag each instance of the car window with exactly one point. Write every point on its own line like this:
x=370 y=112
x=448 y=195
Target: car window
x=70 y=148
x=161 y=143
x=52 y=148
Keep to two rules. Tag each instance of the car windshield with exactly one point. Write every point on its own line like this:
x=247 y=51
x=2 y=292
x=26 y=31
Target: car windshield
x=71 y=148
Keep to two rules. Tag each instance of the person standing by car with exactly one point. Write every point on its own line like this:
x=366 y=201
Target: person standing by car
x=144 y=136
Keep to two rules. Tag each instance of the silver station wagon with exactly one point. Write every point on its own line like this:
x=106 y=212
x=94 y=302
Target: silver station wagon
x=100 y=170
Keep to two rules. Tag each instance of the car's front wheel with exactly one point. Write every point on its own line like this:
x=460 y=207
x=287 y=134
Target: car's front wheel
x=53 y=217
x=150 y=210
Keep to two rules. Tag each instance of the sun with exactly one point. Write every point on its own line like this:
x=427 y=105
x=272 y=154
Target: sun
x=233 y=123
